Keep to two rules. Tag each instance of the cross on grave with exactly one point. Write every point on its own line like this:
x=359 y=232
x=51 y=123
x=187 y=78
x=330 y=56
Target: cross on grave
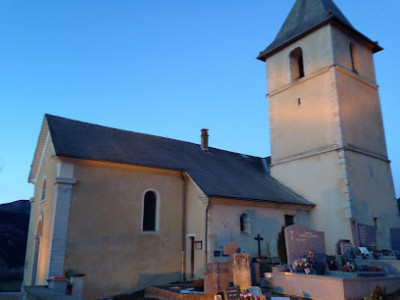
x=230 y=249
x=291 y=233
x=258 y=238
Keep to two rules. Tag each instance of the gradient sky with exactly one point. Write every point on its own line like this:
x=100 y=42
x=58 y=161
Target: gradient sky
x=164 y=67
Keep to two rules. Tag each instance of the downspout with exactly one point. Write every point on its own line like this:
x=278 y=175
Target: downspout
x=183 y=261
x=206 y=230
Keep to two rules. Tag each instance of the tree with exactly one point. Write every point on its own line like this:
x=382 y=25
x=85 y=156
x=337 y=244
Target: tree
x=282 y=246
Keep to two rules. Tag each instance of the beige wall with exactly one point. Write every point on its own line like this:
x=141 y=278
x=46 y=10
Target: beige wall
x=322 y=180
x=372 y=195
x=339 y=108
x=105 y=241
x=195 y=216
x=44 y=209
x=317 y=54
x=266 y=219
x=294 y=128
x=362 y=54
x=360 y=113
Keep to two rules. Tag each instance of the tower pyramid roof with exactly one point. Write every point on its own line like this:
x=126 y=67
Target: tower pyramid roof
x=306 y=16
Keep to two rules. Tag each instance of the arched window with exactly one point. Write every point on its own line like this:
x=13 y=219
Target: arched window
x=149 y=211
x=296 y=63
x=43 y=194
x=245 y=223
x=354 y=58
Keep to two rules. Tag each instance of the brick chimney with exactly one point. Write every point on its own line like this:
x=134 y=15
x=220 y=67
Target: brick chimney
x=204 y=139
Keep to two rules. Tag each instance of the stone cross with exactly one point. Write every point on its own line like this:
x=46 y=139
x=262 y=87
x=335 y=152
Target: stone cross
x=258 y=238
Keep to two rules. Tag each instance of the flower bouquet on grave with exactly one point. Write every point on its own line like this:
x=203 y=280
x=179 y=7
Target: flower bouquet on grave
x=350 y=266
x=302 y=265
x=246 y=295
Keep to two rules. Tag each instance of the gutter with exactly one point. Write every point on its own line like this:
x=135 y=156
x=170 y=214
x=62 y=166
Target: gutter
x=183 y=261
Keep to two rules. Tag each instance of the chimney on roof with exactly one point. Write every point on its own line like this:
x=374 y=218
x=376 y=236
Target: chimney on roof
x=204 y=139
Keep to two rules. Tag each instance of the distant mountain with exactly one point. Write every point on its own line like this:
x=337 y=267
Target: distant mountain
x=20 y=206
x=14 y=223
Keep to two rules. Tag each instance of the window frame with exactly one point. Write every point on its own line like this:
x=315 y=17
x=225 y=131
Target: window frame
x=296 y=60
x=43 y=189
x=157 y=212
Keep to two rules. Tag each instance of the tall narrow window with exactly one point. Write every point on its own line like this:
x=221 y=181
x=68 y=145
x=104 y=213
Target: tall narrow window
x=296 y=63
x=149 y=211
x=354 y=58
x=43 y=195
x=245 y=223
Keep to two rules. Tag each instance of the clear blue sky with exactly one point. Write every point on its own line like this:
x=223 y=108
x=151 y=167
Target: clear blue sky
x=162 y=67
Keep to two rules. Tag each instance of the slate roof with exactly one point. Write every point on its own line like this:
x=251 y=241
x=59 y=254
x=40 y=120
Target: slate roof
x=218 y=173
x=308 y=15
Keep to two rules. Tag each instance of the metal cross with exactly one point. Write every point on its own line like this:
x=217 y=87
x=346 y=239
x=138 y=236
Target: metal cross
x=258 y=238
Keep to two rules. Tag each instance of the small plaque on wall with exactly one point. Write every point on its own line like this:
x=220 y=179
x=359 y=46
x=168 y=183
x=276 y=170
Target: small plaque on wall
x=198 y=245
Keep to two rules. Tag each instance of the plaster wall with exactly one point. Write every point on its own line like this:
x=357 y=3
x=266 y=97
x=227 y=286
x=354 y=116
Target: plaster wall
x=372 y=195
x=105 y=240
x=195 y=216
x=322 y=180
x=360 y=113
x=44 y=209
x=362 y=54
x=265 y=219
x=317 y=54
x=312 y=125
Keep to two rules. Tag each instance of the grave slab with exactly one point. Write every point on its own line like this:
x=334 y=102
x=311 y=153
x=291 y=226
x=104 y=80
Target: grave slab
x=301 y=239
x=395 y=238
x=366 y=235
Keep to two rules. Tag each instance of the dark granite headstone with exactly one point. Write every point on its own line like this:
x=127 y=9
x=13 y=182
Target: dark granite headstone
x=255 y=274
x=395 y=238
x=301 y=239
x=341 y=246
x=232 y=293
x=366 y=234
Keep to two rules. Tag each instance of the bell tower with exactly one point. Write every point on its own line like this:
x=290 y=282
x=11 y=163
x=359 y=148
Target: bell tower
x=327 y=138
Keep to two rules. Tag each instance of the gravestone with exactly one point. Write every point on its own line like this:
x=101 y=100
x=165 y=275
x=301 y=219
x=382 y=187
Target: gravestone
x=217 y=276
x=366 y=235
x=255 y=274
x=395 y=238
x=231 y=293
x=342 y=246
x=241 y=271
x=230 y=249
x=301 y=239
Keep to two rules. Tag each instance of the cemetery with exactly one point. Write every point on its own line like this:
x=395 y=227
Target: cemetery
x=353 y=273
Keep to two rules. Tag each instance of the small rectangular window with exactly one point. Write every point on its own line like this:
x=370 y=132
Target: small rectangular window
x=289 y=220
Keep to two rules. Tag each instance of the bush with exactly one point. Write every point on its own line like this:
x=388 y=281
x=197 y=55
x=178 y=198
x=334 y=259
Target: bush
x=282 y=246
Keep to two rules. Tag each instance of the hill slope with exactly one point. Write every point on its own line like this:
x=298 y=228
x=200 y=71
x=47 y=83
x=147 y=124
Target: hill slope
x=14 y=223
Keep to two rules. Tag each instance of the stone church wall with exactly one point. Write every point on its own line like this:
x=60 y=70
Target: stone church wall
x=41 y=209
x=265 y=219
x=105 y=240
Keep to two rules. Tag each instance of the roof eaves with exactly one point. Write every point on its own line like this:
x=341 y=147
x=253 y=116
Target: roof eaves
x=119 y=162
x=307 y=203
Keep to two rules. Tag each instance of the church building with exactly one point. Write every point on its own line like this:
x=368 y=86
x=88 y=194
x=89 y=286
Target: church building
x=129 y=209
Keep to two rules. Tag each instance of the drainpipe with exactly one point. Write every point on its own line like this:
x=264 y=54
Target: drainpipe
x=183 y=261
x=206 y=230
